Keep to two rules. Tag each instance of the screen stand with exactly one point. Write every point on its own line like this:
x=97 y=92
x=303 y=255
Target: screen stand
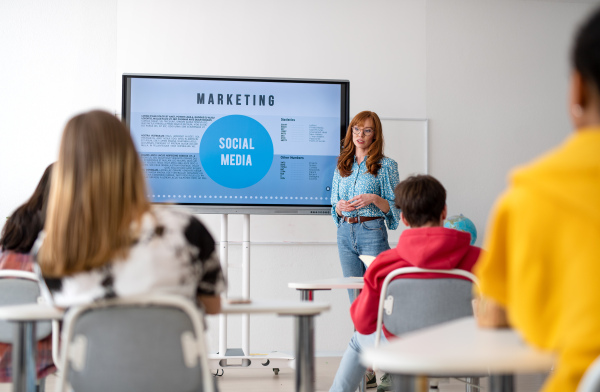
x=241 y=357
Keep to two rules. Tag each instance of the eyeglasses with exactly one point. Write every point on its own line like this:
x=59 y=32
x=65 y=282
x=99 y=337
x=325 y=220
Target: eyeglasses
x=366 y=131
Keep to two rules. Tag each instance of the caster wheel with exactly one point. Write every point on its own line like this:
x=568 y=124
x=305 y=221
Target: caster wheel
x=276 y=371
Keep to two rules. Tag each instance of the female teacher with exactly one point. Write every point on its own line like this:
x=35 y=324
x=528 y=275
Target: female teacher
x=362 y=195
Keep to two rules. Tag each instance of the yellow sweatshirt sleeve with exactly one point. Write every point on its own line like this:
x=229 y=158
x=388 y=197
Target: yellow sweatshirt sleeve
x=491 y=268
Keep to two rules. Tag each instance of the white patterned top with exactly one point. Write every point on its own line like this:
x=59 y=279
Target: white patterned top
x=174 y=254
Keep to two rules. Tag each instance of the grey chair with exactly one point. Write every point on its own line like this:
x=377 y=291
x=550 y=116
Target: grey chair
x=590 y=382
x=406 y=305
x=21 y=287
x=150 y=344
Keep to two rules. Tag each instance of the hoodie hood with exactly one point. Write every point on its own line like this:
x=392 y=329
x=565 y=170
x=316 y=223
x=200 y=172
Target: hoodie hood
x=433 y=247
x=570 y=175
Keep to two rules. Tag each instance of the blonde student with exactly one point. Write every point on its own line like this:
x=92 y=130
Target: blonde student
x=103 y=239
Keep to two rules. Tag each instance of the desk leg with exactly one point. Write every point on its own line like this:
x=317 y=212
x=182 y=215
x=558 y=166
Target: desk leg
x=24 y=373
x=305 y=354
x=406 y=383
x=18 y=363
x=356 y=292
x=306 y=295
x=362 y=387
x=501 y=383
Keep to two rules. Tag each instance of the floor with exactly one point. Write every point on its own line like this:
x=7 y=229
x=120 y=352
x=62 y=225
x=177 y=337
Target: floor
x=263 y=380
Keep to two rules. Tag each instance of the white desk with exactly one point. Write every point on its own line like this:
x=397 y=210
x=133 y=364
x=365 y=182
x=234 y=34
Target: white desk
x=24 y=371
x=25 y=317
x=459 y=348
x=282 y=308
x=308 y=287
x=304 y=331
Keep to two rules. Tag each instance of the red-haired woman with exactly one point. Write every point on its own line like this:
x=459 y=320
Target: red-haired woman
x=362 y=195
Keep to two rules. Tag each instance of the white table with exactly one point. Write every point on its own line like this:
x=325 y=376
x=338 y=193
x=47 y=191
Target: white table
x=459 y=348
x=25 y=317
x=304 y=332
x=308 y=287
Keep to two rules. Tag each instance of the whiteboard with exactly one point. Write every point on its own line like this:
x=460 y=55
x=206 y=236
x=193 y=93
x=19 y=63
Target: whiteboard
x=406 y=141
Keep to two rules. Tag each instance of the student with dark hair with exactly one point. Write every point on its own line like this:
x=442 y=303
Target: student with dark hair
x=427 y=244
x=18 y=235
x=541 y=272
x=22 y=227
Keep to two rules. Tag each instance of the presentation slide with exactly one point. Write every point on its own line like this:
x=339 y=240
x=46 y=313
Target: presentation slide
x=236 y=142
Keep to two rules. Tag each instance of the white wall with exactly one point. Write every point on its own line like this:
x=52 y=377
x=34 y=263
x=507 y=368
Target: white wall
x=56 y=59
x=491 y=75
x=497 y=74
x=379 y=46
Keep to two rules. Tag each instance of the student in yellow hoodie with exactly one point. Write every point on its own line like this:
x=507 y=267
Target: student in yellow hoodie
x=541 y=271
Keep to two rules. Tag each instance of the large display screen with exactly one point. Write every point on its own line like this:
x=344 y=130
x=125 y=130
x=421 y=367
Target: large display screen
x=238 y=145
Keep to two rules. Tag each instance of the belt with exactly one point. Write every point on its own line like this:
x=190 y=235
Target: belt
x=358 y=219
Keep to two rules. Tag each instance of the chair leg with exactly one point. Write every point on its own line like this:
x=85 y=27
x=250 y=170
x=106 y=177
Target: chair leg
x=433 y=384
x=40 y=386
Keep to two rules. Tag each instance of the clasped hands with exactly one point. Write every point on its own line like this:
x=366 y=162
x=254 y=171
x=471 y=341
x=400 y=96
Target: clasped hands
x=356 y=202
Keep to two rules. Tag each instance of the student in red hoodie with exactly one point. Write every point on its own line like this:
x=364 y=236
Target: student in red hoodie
x=427 y=244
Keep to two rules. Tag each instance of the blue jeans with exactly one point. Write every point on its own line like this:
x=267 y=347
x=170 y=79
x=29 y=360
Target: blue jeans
x=354 y=239
x=351 y=371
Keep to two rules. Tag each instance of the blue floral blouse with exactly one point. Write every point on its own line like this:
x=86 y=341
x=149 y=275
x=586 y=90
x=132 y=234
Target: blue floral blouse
x=360 y=182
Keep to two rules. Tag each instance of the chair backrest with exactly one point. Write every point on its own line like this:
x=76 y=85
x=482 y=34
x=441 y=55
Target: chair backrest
x=406 y=305
x=590 y=382
x=19 y=287
x=138 y=344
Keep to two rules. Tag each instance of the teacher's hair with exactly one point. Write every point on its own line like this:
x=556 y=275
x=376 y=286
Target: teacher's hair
x=585 y=56
x=346 y=158
x=97 y=196
x=24 y=224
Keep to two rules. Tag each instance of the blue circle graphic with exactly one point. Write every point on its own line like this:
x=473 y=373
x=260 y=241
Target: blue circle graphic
x=236 y=151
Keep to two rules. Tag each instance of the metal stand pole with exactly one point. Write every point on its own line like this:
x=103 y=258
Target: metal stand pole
x=223 y=254
x=246 y=283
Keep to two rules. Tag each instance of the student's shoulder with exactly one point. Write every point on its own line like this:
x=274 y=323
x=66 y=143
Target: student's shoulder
x=183 y=221
x=173 y=217
x=384 y=258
